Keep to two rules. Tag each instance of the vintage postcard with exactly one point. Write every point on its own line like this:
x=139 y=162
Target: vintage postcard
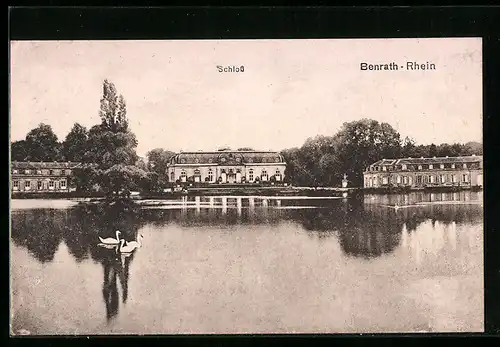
x=246 y=186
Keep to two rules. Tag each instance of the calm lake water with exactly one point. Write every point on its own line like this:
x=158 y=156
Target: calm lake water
x=251 y=265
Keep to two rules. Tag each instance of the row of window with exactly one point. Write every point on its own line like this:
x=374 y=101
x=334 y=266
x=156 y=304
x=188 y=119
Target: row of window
x=420 y=179
x=40 y=172
x=237 y=159
x=52 y=184
x=230 y=171
x=423 y=167
x=210 y=174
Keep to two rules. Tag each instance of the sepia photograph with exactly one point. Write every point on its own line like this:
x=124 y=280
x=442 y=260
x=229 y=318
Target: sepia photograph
x=277 y=186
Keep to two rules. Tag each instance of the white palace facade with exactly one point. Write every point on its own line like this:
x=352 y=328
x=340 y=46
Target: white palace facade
x=226 y=167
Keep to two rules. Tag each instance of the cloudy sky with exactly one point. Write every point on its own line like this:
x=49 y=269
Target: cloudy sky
x=290 y=89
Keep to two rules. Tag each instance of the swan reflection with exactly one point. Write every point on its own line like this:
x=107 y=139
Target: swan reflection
x=116 y=268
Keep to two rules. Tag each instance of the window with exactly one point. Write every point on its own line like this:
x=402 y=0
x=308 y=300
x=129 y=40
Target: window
x=419 y=179
x=172 y=176
x=432 y=179
x=183 y=173
x=27 y=184
x=39 y=185
x=442 y=178
x=38 y=172
x=63 y=184
x=420 y=167
x=385 y=180
x=51 y=172
x=250 y=175
x=51 y=184
x=197 y=172
x=431 y=166
x=27 y=172
x=465 y=178
x=264 y=175
x=278 y=175
x=405 y=179
x=453 y=178
x=377 y=168
x=16 y=184
x=465 y=166
x=404 y=167
x=14 y=171
x=210 y=175
x=63 y=172
x=398 y=179
x=441 y=166
x=452 y=166
x=384 y=168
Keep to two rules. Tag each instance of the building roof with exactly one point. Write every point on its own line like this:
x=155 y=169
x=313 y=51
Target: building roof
x=227 y=157
x=427 y=161
x=44 y=165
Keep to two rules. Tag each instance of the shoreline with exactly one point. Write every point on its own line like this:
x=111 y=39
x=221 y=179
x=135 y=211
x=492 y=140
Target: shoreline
x=234 y=191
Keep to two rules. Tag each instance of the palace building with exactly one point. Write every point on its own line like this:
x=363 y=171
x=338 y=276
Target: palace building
x=40 y=177
x=226 y=166
x=417 y=173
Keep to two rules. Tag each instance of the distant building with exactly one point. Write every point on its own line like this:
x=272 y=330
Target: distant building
x=40 y=177
x=425 y=172
x=226 y=166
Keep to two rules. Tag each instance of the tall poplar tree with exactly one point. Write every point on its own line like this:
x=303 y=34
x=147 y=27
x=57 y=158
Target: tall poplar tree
x=112 y=146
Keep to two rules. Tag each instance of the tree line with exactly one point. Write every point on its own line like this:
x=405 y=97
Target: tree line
x=108 y=152
x=323 y=160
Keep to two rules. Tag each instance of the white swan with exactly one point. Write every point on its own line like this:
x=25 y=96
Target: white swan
x=136 y=243
x=126 y=249
x=110 y=240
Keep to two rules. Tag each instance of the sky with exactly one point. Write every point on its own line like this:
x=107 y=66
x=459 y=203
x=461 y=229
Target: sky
x=290 y=90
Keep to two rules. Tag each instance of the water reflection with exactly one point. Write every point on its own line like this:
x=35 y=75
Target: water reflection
x=426 y=236
x=41 y=231
x=116 y=268
x=365 y=227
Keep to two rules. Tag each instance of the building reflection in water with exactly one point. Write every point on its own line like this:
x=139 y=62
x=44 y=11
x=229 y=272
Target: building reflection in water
x=427 y=242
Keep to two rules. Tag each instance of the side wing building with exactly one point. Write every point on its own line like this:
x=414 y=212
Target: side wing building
x=465 y=172
x=40 y=177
